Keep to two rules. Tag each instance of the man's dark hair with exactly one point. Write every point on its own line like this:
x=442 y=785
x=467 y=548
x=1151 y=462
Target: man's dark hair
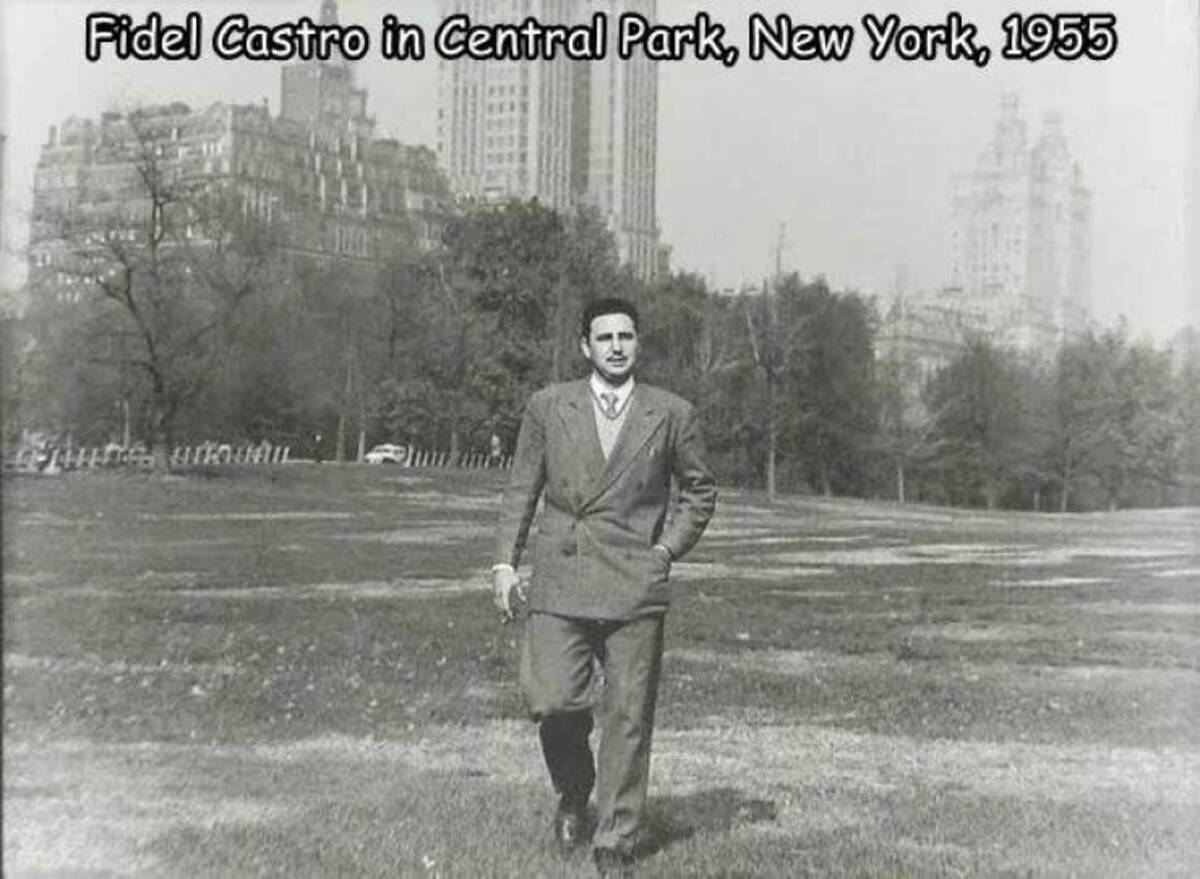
x=608 y=305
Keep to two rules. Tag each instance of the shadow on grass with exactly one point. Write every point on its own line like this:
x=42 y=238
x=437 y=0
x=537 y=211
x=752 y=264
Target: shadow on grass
x=674 y=819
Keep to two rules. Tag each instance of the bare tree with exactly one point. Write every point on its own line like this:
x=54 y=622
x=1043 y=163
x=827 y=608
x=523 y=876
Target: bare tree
x=172 y=252
x=774 y=344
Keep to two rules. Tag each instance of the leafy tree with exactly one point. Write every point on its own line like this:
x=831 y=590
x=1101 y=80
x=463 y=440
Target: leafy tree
x=772 y=343
x=1134 y=420
x=688 y=335
x=982 y=420
x=513 y=281
x=1187 y=384
x=507 y=262
x=1084 y=385
x=814 y=352
x=905 y=430
x=694 y=342
x=433 y=391
x=830 y=384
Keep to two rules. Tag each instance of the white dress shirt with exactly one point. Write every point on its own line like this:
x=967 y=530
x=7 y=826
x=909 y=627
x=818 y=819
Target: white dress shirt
x=608 y=429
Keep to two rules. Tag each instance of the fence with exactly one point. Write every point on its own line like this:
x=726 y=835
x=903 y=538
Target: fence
x=57 y=460
x=471 y=461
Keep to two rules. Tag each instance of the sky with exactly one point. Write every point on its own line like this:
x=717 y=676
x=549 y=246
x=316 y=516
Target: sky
x=848 y=164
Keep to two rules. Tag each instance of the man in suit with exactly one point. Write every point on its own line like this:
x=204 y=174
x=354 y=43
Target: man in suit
x=602 y=451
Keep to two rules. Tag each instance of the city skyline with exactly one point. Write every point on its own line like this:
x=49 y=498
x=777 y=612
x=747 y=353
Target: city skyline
x=856 y=159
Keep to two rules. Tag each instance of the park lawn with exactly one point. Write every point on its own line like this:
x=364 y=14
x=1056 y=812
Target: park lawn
x=298 y=671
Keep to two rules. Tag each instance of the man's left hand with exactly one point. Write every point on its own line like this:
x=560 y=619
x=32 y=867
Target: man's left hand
x=505 y=581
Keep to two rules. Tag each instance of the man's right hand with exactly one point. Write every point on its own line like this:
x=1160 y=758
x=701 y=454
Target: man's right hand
x=505 y=581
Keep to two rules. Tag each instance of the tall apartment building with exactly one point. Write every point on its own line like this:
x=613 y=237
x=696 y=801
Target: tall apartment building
x=323 y=96
x=504 y=127
x=616 y=153
x=339 y=192
x=569 y=133
x=1021 y=232
x=1020 y=255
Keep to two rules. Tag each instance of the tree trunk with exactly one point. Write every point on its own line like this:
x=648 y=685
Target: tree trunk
x=772 y=435
x=347 y=389
x=160 y=434
x=162 y=456
x=1064 y=499
x=362 y=427
x=454 y=445
x=900 y=480
x=126 y=433
x=557 y=355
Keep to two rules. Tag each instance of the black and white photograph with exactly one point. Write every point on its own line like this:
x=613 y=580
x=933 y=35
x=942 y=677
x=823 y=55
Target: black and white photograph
x=620 y=438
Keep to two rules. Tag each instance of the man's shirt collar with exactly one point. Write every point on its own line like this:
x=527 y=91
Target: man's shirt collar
x=599 y=386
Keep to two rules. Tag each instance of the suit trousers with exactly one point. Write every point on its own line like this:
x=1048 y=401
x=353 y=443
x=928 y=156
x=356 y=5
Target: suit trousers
x=560 y=659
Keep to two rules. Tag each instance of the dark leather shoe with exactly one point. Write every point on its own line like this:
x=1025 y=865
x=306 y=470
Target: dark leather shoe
x=570 y=828
x=613 y=862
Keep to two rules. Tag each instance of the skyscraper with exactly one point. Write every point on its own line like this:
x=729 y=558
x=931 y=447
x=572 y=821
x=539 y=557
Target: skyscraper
x=504 y=127
x=569 y=133
x=616 y=151
x=1021 y=232
x=1059 y=274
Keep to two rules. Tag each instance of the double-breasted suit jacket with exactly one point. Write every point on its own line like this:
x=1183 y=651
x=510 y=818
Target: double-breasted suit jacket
x=594 y=555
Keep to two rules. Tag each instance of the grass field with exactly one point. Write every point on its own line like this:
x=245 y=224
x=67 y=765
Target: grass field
x=299 y=673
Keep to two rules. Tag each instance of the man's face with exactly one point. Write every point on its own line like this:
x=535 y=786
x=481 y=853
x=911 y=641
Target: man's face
x=612 y=347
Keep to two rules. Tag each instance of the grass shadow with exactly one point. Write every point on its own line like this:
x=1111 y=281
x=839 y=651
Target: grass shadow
x=674 y=819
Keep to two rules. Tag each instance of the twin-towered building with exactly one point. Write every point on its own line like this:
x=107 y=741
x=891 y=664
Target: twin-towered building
x=1020 y=252
x=569 y=133
x=1021 y=224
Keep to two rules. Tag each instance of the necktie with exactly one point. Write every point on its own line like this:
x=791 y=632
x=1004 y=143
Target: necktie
x=609 y=402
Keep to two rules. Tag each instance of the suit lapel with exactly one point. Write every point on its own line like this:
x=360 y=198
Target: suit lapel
x=641 y=423
x=580 y=423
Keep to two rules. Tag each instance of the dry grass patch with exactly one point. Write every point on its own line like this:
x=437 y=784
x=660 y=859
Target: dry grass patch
x=717 y=792
x=275 y=702
x=1053 y=582
x=1190 y=573
x=693 y=571
x=429 y=533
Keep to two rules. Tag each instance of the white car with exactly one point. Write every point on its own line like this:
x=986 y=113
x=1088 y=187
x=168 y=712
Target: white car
x=386 y=454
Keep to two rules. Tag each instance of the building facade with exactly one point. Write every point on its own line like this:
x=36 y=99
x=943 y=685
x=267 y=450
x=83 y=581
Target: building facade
x=1020 y=245
x=568 y=133
x=617 y=151
x=505 y=127
x=1021 y=233
x=336 y=190
x=322 y=95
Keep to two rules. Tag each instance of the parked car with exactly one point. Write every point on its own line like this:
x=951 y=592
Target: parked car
x=386 y=454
